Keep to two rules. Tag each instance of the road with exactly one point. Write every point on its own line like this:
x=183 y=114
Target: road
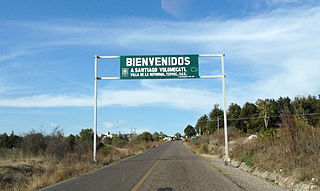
x=170 y=167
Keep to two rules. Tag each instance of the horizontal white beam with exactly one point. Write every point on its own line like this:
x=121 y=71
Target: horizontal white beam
x=118 y=78
x=109 y=78
x=201 y=55
x=211 y=55
x=101 y=57
x=207 y=77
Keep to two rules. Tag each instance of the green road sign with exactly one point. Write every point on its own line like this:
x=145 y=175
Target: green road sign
x=159 y=67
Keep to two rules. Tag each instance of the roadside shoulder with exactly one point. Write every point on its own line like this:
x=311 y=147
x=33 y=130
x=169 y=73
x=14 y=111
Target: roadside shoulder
x=243 y=179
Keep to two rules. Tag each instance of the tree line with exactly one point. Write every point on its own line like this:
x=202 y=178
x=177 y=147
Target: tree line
x=57 y=145
x=261 y=116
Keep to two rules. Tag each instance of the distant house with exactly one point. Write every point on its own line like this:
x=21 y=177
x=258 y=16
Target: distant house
x=107 y=134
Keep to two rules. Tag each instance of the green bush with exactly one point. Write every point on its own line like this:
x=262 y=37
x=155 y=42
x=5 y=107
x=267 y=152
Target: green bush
x=34 y=143
x=247 y=159
x=145 y=136
x=204 y=148
x=119 y=141
x=105 y=150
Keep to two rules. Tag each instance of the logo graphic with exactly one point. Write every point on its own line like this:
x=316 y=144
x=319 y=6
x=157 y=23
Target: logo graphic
x=125 y=72
x=194 y=69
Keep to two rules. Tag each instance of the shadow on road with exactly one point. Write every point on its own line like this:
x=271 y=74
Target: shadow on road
x=165 y=189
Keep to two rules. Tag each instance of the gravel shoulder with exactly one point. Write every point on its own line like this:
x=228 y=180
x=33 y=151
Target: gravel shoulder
x=243 y=179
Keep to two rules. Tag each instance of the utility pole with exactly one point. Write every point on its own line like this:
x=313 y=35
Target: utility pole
x=218 y=124
x=265 y=120
x=118 y=128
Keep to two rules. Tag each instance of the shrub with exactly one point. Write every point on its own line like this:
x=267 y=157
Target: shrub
x=83 y=147
x=247 y=159
x=86 y=135
x=34 y=143
x=107 y=141
x=105 y=150
x=204 y=148
x=119 y=141
x=71 y=141
x=145 y=136
x=56 y=146
x=156 y=136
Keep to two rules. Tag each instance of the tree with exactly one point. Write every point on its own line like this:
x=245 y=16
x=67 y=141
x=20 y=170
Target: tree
x=145 y=136
x=267 y=112
x=305 y=107
x=234 y=114
x=178 y=135
x=162 y=135
x=156 y=136
x=216 y=118
x=202 y=125
x=4 y=140
x=71 y=141
x=189 y=131
x=14 y=141
x=56 y=145
x=84 y=142
x=34 y=143
x=86 y=135
x=248 y=117
x=284 y=104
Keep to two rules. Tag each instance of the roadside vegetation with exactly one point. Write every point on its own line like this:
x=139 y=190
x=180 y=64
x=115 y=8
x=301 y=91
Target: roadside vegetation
x=35 y=160
x=277 y=135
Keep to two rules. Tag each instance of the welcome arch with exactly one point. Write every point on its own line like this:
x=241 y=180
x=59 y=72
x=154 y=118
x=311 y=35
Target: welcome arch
x=159 y=67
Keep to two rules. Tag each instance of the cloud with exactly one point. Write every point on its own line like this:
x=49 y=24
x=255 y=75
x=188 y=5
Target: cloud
x=48 y=101
x=269 y=55
x=283 y=1
x=12 y=55
x=148 y=95
x=108 y=125
x=175 y=97
x=177 y=8
x=54 y=125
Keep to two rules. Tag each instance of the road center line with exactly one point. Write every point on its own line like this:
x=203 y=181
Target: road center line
x=137 y=186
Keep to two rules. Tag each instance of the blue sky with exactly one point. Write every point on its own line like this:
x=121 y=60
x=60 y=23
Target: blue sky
x=47 y=53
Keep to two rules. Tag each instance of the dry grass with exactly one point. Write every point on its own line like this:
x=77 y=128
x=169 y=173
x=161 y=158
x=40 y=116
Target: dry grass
x=214 y=142
x=295 y=151
x=19 y=172
x=31 y=173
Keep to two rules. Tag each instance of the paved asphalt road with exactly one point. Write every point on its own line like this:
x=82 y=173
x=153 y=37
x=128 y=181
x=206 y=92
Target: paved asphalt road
x=170 y=167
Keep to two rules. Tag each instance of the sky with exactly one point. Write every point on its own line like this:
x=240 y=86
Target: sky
x=47 y=53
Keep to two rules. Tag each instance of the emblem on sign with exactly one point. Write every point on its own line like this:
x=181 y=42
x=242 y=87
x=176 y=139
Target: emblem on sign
x=125 y=72
x=194 y=69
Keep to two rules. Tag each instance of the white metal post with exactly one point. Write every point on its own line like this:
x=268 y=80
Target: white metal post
x=95 y=109
x=225 y=110
x=218 y=124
